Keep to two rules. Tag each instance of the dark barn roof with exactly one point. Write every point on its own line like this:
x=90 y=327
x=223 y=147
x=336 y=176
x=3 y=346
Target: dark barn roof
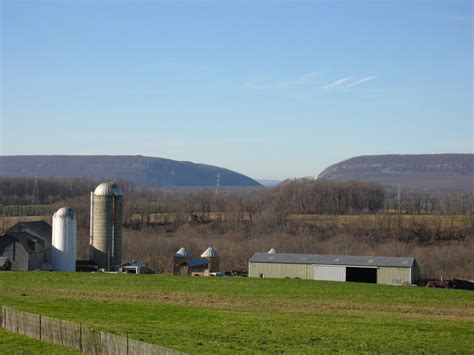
x=31 y=243
x=284 y=258
x=40 y=229
x=195 y=262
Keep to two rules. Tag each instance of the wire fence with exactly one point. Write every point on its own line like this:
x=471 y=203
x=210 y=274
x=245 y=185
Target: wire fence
x=76 y=336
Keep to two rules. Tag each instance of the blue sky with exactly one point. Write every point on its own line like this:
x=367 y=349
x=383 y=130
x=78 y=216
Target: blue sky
x=271 y=89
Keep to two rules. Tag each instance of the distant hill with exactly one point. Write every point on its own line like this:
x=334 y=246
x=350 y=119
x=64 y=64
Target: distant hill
x=138 y=169
x=440 y=172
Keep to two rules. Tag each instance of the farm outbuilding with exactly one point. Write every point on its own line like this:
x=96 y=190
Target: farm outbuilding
x=5 y=264
x=133 y=267
x=370 y=269
x=28 y=246
x=181 y=255
x=194 y=266
x=213 y=258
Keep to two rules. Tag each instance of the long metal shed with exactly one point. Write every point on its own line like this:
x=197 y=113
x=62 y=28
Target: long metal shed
x=370 y=269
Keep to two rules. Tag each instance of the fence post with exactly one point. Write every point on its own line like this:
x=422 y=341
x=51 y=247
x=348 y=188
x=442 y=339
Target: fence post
x=40 y=327
x=127 y=342
x=80 y=338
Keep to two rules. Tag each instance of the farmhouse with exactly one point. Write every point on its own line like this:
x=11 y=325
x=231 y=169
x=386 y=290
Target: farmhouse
x=370 y=269
x=27 y=245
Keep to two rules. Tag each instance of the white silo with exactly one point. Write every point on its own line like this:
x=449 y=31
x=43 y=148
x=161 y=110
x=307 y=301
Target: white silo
x=64 y=240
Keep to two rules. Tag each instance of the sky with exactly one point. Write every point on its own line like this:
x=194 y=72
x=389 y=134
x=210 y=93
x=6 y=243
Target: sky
x=271 y=89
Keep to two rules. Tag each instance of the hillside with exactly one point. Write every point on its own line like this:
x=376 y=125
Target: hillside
x=138 y=169
x=441 y=172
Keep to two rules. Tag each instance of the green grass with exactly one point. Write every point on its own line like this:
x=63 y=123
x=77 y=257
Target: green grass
x=11 y=343
x=227 y=315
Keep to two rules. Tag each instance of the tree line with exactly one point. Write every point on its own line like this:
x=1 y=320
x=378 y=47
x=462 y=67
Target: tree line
x=295 y=196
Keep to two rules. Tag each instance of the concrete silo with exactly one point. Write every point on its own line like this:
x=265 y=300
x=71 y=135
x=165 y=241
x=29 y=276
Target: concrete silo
x=213 y=258
x=106 y=225
x=64 y=240
x=180 y=256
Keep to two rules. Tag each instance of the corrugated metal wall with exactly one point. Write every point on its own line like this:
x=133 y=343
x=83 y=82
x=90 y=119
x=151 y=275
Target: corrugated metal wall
x=329 y=273
x=385 y=275
x=274 y=270
x=393 y=275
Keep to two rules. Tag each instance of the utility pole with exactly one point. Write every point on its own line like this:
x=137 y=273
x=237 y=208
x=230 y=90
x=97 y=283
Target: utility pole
x=399 y=199
x=35 y=197
x=218 y=184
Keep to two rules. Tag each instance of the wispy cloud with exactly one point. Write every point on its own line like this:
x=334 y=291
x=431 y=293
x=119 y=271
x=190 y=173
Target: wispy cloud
x=360 y=81
x=302 y=80
x=336 y=83
x=345 y=82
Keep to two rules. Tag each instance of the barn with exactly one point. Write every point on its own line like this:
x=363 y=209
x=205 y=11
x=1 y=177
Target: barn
x=28 y=246
x=369 y=269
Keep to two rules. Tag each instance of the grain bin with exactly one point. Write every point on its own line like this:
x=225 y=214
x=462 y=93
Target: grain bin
x=64 y=240
x=180 y=256
x=106 y=225
x=214 y=259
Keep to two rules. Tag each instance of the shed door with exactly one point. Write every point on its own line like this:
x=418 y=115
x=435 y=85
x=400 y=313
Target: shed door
x=329 y=273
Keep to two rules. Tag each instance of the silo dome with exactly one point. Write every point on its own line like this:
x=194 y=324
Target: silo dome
x=209 y=253
x=108 y=189
x=64 y=212
x=183 y=253
x=272 y=251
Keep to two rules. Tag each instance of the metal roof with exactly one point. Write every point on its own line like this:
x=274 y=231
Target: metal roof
x=30 y=242
x=209 y=253
x=183 y=253
x=134 y=263
x=39 y=229
x=195 y=262
x=284 y=258
x=108 y=189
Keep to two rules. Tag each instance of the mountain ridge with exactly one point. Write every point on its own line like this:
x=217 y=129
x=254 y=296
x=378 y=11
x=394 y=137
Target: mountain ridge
x=449 y=171
x=139 y=170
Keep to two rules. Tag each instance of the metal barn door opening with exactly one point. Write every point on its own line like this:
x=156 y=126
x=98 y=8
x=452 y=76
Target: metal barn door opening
x=361 y=274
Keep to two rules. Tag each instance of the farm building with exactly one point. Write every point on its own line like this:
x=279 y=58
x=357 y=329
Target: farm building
x=5 y=263
x=133 y=267
x=185 y=264
x=28 y=246
x=181 y=255
x=193 y=266
x=370 y=269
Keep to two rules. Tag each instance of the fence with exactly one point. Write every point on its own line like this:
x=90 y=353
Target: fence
x=76 y=336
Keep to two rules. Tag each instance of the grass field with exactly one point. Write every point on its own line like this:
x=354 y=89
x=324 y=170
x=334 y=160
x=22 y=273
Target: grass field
x=11 y=343
x=225 y=315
